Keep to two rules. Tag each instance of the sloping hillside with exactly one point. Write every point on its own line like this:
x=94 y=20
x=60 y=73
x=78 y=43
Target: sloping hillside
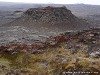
x=40 y=23
x=71 y=53
x=50 y=19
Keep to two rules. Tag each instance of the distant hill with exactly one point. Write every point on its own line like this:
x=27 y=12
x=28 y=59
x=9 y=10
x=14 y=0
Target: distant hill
x=84 y=10
x=77 y=9
x=49 y=18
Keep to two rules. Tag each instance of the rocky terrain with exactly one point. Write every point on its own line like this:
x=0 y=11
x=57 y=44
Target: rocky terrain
x=56 y=19
x=40 y=23
x=68 y=52
x=49 y=41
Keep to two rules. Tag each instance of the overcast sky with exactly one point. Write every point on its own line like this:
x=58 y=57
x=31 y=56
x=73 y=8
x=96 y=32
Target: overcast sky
x=95 y=2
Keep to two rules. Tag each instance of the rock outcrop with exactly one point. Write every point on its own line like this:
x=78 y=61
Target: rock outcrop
x=49 y=18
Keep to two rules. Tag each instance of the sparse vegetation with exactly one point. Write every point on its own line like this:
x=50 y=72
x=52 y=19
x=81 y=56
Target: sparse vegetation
x=64 y=55
x=24 y=51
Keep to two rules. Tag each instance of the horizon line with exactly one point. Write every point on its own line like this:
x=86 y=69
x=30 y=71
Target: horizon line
x=46 y=3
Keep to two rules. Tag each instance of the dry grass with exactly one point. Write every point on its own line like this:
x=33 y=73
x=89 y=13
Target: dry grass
x=55 y=61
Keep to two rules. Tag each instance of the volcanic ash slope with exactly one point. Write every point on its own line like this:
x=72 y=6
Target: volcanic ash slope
x=40 y=23
x=50 y=19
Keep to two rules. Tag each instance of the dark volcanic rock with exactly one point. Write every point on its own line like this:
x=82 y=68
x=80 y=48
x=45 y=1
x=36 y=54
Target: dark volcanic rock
x=53 y=13
x=50 y=19
x=40 y=23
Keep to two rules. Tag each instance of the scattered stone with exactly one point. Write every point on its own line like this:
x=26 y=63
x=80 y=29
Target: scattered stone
x=37 y=51
x=95 y=54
